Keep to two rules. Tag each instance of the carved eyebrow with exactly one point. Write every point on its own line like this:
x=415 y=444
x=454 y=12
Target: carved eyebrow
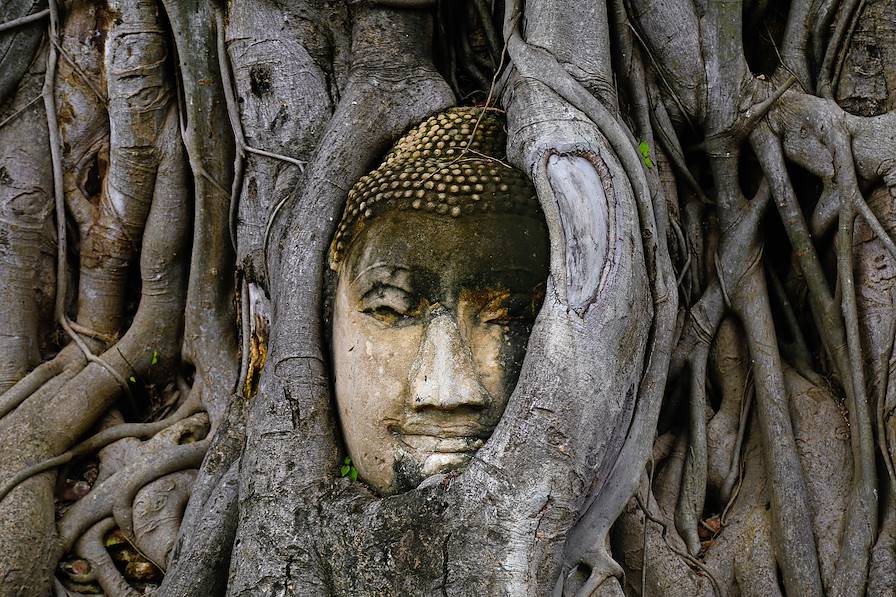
x=382 y=290
x=382 y=274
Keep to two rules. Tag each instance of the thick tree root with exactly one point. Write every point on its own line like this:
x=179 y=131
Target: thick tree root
x=100 y=441
x=90 y=547
x=67 y=359
x=115 y=494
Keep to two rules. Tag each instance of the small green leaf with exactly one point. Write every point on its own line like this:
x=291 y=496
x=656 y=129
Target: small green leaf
x=344 y=470
x=132 y=379
x=644 y=148
x=353 y=474
x=347 y=460
x=155 y=357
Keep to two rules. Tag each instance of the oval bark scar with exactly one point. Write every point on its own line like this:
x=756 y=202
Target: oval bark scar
x=582 y=204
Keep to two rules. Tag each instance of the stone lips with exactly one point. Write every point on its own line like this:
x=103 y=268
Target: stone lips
x=447 y=165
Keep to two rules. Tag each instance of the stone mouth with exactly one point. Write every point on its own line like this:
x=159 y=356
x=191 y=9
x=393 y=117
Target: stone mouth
x=440 y=443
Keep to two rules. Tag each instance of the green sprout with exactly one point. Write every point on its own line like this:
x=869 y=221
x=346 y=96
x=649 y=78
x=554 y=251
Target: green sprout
x=348 y=470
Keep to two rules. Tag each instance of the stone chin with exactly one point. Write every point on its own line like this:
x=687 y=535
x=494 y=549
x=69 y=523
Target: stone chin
x=410 y=471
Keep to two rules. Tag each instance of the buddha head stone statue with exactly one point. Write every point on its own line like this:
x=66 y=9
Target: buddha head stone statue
x=441 y=258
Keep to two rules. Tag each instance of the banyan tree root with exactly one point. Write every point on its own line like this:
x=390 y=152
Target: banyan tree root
x=833 y=159
x=731 y=108
x=145 y=463
x=650 y=191
x=90 y=547
x=101 y=440
x=57 y=413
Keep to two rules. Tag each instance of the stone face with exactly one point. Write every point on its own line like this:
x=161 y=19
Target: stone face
x=431 y=319
x=434 y=303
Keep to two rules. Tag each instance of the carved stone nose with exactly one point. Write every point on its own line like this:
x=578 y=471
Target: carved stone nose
x=443 y=375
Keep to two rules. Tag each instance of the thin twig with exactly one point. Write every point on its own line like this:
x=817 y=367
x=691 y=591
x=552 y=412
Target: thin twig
x=277 y=156
x=13 y=24
x=239 y=161
x=90 y=333
x=679 y=235
x=665 y=81
x=80 y=72
x=488 y=106
x=875 y=225
x=18 y=112
x=442 y=165
x=757 y=111
x=781 y=62
x=723 y=519
x=717 y=588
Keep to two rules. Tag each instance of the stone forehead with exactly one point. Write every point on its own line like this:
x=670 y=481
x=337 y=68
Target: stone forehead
x=451 y=165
